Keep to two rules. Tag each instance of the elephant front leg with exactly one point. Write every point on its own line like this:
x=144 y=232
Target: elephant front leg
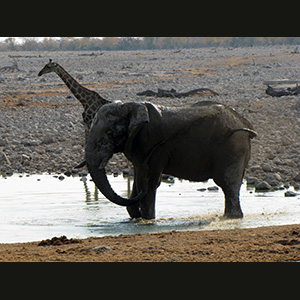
x=134 y=210
x=147 y=205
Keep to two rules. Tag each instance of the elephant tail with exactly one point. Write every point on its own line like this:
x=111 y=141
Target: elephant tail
x=252 y=133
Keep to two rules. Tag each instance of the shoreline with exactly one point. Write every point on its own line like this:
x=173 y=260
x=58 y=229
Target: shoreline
x=263 y=244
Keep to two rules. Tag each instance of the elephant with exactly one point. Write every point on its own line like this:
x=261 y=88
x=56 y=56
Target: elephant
x=197 y=142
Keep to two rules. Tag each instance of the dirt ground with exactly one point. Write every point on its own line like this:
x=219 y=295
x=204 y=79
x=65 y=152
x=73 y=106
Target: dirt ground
x=265 y=244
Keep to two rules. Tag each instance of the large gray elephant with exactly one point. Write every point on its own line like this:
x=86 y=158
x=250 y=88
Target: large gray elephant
x=197 y=142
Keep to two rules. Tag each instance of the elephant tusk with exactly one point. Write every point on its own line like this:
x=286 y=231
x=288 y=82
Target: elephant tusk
x=82 y=164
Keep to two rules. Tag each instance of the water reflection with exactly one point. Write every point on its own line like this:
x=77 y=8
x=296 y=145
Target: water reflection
x=89 y=198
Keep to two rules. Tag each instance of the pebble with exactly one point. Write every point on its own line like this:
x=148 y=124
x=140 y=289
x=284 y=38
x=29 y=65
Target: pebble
x=213 y=188
x=266 y=168
x=100 y=249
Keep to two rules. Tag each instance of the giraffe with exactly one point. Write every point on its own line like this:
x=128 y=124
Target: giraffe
x=90 y=100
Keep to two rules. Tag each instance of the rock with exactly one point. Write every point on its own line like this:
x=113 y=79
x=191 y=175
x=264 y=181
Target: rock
x=201 y=190
x=100 y=249
x=213 y=188
x=251 y=180
x=297 y=177
x=274 y=179
x=262 y=186
x=277 y=161
x=83 y=174
x=296 y=186
x=266 y=167
x=68 y=173
x=49 y=139
x=61 y=177
x=290 y=194
x=255 y=168
x=28 y=142
x=3 y=142
x=285 y=141
x=128 y=172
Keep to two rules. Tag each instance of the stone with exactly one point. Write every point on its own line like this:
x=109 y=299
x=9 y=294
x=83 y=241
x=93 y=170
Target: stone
x=273 y=179
x=3 y=142
x=297 y=177
x=29 y=142
x=61 y=177
x=83 y=174
x=100 y=249
x=49 y=139
x=262 y=186
x=213 y=188
x=296 y=186
x=266 y=167
x=251 y=180
x=68 y=173
x=290 y=194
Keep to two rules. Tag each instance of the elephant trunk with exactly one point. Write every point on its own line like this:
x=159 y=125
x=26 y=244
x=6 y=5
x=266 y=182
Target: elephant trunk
x=102 y=183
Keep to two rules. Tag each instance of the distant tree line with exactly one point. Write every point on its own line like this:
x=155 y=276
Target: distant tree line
x=133 y=43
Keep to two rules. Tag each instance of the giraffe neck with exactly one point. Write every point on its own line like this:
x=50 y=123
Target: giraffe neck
x=85 y=96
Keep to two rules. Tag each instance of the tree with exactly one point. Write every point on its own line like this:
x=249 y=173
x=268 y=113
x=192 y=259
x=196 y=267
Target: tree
x=129 y=43
x=109 y=43
x=148 y=42
x=11 y=44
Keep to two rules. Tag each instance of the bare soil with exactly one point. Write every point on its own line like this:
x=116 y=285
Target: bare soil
x=265 y=244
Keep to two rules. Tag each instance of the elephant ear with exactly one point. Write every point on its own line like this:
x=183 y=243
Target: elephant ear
x=138 y=115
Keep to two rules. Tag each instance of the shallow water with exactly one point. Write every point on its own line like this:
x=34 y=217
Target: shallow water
x=42 y=206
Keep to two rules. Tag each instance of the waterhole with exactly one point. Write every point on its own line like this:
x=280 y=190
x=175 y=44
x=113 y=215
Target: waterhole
x=35 y=207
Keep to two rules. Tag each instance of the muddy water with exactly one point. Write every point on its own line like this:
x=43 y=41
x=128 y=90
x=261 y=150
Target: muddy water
x=42 y=206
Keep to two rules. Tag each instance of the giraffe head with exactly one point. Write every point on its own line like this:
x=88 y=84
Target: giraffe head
x=49 y=67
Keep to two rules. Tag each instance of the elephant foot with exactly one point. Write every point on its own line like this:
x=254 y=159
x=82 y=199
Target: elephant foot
x=134 y=212
x=233 y=214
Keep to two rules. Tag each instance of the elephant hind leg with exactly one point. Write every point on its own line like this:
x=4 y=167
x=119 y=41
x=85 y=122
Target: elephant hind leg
x=232 y=203
x=230 y=181
x=230 y=172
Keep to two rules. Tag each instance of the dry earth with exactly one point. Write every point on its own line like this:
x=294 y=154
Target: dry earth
x=266 y=244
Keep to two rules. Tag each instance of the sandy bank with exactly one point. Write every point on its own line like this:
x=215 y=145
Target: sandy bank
x=266 y=244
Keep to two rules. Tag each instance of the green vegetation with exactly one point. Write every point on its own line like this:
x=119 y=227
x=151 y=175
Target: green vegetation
x=133 y=43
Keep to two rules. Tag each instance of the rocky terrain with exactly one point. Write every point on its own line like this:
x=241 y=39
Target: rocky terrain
x=41 y=124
